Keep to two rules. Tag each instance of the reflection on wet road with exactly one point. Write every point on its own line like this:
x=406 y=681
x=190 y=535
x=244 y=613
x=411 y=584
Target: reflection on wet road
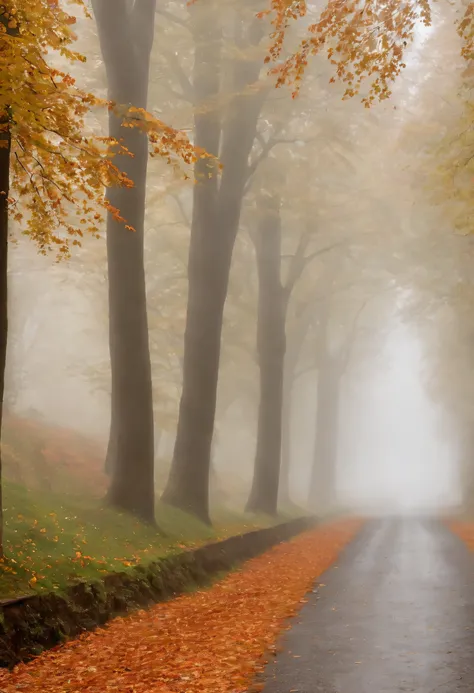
x=395 y=614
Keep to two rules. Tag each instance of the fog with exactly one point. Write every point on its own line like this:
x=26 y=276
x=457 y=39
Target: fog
x=347 y=320
x=399 y=461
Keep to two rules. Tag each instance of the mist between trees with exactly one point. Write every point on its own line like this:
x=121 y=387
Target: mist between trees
x=210 y=340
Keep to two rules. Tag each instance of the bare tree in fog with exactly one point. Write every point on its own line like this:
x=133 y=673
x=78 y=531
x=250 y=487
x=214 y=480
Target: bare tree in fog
x=331 y=364
x=274 y=296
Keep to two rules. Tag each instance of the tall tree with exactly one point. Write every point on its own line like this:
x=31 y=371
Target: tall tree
x=53 y=170
x=271 y=347
x=323 y=469
x=296 y=334
x=351 y=40
x=275 y=295
x=281 y=275
x=126 y=32
x=5 y=153
x=227 y=125
x=49 y=166
x=228 y=133
x=332 y=365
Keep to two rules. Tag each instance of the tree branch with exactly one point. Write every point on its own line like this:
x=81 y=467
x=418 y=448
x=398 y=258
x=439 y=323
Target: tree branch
x=267 y=146
x=309 y=258
x=297 y=265
x=304 y=371
x=346 y=352
x=301 y=261
x=184 y=82
x=179 y=202
x=177 y=94
x=172 y=17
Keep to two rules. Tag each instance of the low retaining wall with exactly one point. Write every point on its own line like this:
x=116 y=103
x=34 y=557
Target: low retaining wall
x=32 y=624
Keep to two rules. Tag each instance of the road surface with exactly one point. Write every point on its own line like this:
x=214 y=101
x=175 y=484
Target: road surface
x=395 y=614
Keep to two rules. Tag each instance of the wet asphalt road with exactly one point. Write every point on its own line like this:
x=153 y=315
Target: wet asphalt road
x=395 y=614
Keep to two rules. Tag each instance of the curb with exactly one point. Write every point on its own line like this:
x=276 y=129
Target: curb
x=29 y=625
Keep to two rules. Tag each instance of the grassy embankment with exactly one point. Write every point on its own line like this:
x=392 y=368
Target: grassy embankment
x=53 y=537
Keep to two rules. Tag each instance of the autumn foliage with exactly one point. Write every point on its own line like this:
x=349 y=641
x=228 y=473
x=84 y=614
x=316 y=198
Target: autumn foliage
x=212 y=640
x=362 y=40
x=58 y=168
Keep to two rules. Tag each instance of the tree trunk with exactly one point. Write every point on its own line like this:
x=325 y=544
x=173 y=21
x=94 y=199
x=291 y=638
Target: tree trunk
x=5 y=148
x=284 y=485
x=126 y=35
x=271 y=354
x=188 y=482
x=295 y=343
x=291 y=361
x=111 y=454
x=322 y=492
x=215 y=222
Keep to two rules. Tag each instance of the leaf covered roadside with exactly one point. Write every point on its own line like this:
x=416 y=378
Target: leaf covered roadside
x=211 y=640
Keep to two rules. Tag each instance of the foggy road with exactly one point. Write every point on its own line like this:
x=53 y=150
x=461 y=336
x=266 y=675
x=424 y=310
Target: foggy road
x=395 y=614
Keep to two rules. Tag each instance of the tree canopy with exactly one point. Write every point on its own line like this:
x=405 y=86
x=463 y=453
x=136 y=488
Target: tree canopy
x=59 y=168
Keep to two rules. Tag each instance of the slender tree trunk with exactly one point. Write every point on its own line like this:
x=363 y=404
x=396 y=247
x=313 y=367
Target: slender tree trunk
x=5 y=148
x=293 y=350
x=271 y=352
x=126 y=33
x=323 y=437
x=284 y=486
x=111 y=454
x=188 y=482
x=291 y=360
x=215 y=222
x=322 y=490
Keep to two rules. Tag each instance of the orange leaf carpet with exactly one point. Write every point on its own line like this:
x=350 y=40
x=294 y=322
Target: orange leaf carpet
x=213 y=640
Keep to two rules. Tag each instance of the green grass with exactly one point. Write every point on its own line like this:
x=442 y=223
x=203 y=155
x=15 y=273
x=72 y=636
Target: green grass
x=51 y=541
x=53 y=538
